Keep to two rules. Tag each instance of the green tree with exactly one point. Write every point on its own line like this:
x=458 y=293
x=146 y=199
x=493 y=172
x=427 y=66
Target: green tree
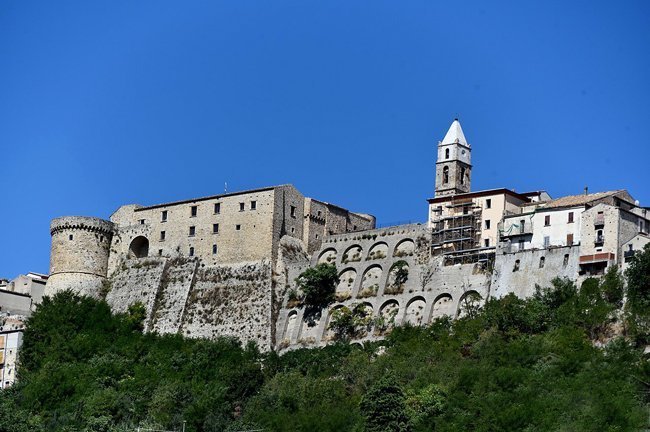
x=318 y=284
x=349 y=323
x=638 y=296
x=383 y=407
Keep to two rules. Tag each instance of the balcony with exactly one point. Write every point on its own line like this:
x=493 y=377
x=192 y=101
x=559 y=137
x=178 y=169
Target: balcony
x=599 y=257
x=511 y=229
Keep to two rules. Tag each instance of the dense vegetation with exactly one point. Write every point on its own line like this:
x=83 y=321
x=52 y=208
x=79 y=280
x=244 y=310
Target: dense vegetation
x=551 y=362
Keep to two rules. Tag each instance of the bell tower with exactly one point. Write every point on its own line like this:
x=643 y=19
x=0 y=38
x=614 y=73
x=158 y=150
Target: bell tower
x=454 y=164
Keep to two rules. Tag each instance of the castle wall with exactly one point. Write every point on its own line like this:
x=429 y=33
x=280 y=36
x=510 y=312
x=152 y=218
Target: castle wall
x=366 y=265
x=231 y=300
x=519 y=272
x=135 y=281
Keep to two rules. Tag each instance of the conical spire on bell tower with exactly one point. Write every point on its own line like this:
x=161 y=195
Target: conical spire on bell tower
x=454 y=163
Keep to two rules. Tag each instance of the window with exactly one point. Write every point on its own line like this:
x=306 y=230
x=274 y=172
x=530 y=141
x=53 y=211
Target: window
x=445 y=175
x=191 y=251
x=141 y=221
x=566 y=260
x=193 y=211
x=542 y=261
x=293 y=230
x=600 y=239
x=159 y=252
x=487 y=224
x=465 y=210
x=516 y=267
x=217 y=208
x=241 y=206
x=293 y=211
x=192 y=231
x=569 y=239
x=162 y=235
x=253 y=205
x=316 y=236
x=214 y=249
x=319 y=212
x=215 y=228
x=163 y=216
x=462 y=175
x=547 y=220
x=522 y=226
x=487 y=242
x=446 y=153
x=70 y=237
x=547 y=241
x=570 y=217
x=238 y=227
x=488 y=203
x=522 y=244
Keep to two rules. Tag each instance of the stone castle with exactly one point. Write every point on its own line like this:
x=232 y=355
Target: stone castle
x=226 y=265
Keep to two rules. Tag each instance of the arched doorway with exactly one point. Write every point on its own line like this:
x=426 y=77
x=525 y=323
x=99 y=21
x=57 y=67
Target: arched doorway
x=139 y=247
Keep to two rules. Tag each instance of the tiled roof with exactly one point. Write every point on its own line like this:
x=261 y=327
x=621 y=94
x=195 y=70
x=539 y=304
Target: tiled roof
x=579 y=200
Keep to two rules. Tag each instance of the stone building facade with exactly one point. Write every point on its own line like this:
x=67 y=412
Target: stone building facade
x=226 y=265
x=201 y=267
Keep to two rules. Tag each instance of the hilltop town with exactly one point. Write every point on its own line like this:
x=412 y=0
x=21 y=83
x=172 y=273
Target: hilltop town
x=226 y=265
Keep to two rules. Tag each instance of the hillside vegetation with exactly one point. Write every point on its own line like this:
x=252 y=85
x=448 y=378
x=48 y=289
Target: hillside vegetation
x=554 y=362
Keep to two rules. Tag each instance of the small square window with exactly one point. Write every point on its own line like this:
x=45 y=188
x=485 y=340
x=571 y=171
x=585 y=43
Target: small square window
x=163 y=216
x=293 y=230
x=193 y=211
x=293 y=211
x=547 y=220
x=488 y=203
x=162 y=235
x=253 y=205
x=215 y=228
x=70 y=237
x=141 y=221
x=217 y=208
x=192 y=231
x=191 y=251
x=238 y=227
x=487 y=242
x=241 y=206
x=159 y=252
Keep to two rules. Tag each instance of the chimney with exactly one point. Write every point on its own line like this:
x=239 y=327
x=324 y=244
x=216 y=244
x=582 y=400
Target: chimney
x=586 y=190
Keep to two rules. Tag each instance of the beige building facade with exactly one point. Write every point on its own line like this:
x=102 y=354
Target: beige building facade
x=231 y=228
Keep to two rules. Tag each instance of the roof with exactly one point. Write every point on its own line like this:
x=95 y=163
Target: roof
x=210 y=197
x=487 y=192
x=455 y=134
x=581 y=200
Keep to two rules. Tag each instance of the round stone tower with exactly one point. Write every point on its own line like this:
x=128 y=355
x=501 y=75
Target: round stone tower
x=79 y=254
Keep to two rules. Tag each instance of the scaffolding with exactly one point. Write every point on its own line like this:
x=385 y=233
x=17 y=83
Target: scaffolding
x=456 y=233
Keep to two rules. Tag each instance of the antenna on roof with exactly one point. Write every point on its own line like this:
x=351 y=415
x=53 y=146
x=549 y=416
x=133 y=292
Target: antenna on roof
x=586 y=190
x=225 y=187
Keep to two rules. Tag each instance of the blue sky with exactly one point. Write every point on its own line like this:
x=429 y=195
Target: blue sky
x=105 y=103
